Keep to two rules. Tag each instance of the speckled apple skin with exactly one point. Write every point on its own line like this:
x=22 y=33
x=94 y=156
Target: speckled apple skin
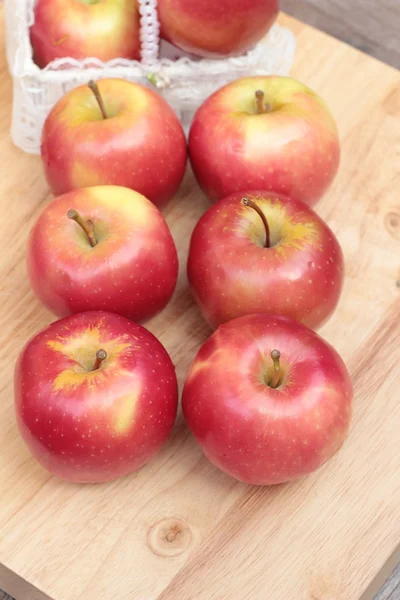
x=216 y=29
x=133 y=269
x=66 y=28
x=293 y=149
x=93 y=426
x=141 y=145
x=255 y=433
x=232 y=273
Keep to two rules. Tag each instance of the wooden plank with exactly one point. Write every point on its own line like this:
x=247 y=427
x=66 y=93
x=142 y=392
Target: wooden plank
x=369 y=25
x=325 y=537
x=391 y=589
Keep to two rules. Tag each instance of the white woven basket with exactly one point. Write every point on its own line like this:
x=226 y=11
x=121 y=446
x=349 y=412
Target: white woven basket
x=184 y=82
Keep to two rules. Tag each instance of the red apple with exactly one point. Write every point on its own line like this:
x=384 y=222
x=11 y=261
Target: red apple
x=114 y=253
x=114 y=133
x=269 y=133
x=96 y=397
x=216 y=29
x=104 y=29
x=268 y=399
x=259 y=252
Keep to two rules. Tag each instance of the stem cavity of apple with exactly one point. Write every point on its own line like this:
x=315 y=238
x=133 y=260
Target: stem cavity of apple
x=95 y=89
x=247 y=202
x=261 y=106
x=101 y=355
x=87 y=226
x=276 y=376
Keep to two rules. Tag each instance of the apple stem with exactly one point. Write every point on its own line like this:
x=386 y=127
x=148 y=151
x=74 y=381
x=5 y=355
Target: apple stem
x=276 y=355
x=101 y=355
x=262 y=107
x=247 y=202
x=95 y=89
x=87 y=226
x=260 y=102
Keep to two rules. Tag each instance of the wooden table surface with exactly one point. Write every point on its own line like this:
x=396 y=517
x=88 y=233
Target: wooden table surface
x=373 y=26
x=327 y=537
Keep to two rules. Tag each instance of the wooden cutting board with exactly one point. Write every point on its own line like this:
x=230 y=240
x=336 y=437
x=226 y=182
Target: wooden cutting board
x=179 y=529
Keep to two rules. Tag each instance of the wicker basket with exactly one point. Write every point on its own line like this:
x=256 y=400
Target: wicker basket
x=184 y=82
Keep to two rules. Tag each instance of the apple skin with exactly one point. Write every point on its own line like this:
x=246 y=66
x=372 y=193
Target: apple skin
x=93 y=426
x=232 y=273
x=255 y=433
x=293 y=149
x=107 y=29
x=141 y=145
x=133 y=269
x=216 y=29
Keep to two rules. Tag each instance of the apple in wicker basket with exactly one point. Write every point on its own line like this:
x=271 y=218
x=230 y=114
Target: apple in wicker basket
x=265 y=133
x=96 y=397
x=216 y=28
x=102 y=248
x=258 y=252
x=104 y=29
x=268 y=400
x=114 y=133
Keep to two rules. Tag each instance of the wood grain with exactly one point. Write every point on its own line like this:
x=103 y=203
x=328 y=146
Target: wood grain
x=323 y=538
x=369 y=25
x=391 y=589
